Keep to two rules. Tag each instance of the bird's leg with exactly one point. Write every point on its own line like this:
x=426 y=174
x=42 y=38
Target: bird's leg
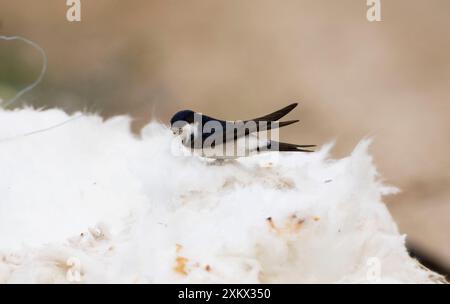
x=217 y=162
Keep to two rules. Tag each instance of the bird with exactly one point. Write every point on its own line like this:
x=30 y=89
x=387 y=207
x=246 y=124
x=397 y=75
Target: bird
x=230 y=139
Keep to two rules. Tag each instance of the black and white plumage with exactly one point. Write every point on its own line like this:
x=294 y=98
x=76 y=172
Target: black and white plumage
x=222 y=139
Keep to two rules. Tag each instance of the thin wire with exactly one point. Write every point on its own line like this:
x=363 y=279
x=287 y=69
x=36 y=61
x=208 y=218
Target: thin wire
x=30 y=87
x=41 y=74
x=42 y=130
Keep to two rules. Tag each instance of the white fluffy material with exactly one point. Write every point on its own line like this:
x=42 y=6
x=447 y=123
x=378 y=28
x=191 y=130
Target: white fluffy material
x=88 y=198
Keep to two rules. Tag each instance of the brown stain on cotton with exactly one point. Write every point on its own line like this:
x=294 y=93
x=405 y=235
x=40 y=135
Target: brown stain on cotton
x=180 y=265
x=285 y=183
x=292 y=224
x=180 y=261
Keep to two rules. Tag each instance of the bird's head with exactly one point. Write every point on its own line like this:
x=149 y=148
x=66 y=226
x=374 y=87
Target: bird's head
x=181 y=120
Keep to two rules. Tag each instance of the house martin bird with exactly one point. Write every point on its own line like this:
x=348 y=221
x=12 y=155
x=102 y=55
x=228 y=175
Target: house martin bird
x=220 y=139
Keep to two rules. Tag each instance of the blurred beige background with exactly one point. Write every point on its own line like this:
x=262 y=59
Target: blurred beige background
x=239 y=59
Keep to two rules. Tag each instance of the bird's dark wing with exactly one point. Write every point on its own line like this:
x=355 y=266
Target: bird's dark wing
x=263 y=123
x=277 y=115
x=232 y=130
